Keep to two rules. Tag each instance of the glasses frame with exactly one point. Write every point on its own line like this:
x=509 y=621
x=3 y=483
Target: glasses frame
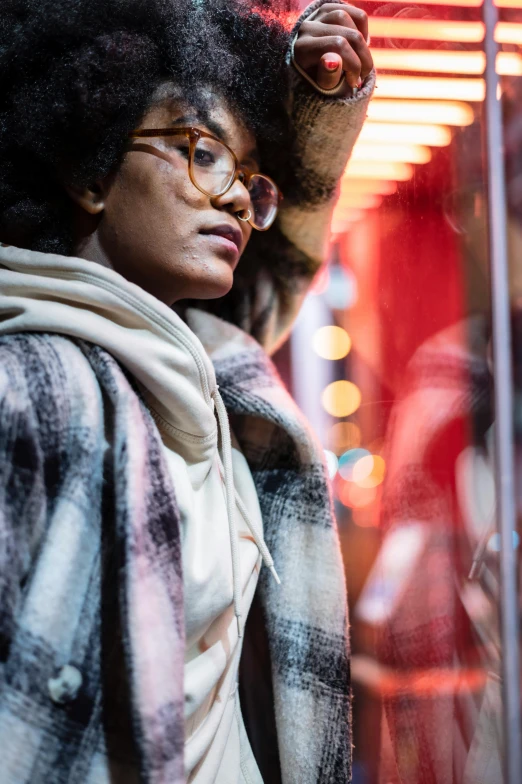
x=241 y=172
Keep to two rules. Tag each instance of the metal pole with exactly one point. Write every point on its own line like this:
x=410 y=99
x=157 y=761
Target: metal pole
x=504 y=425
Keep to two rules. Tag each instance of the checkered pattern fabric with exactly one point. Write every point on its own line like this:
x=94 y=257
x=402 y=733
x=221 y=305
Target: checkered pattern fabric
x=91 y=599
x=91 y=604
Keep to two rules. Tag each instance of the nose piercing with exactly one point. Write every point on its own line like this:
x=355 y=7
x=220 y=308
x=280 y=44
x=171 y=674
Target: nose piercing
x=246 y=219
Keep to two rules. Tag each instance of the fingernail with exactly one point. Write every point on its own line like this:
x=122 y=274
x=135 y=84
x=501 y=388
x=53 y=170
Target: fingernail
x=332 y=65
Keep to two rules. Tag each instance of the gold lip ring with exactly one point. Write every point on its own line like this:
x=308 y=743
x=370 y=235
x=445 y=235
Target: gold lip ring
x=245 y=220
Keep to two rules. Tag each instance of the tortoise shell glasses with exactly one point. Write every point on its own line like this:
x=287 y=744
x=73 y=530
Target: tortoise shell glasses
x=213 y=168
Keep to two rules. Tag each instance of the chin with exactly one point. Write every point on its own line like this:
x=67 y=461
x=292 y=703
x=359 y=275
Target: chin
x=213 y=286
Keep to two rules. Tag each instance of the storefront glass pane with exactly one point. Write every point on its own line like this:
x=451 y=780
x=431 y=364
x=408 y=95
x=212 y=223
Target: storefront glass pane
x=391 y=361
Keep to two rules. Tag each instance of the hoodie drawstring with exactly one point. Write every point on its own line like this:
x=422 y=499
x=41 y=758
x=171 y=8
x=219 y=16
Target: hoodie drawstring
x=232 y=498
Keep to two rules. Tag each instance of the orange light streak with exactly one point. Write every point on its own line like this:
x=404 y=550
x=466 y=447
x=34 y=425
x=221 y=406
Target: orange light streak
x=381 y=170
x=444 y=112
x=407 y=153
x=428 y=682
x=471 y=3
x=426 y=29
x=459 y=3
x=359 y=201
x=449 y=31
x=423 y=87
x=379 y=187
x=508 y=63
x=508 y=3
x=385 y=133
x=508 y=32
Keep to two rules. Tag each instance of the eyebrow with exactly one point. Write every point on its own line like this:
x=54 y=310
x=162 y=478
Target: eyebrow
x=214 y=127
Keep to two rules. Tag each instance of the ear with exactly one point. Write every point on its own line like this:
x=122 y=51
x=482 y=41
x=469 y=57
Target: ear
x=90 y=199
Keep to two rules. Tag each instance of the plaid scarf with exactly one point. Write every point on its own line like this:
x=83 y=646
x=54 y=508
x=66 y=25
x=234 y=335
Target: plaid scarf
x=91 y=592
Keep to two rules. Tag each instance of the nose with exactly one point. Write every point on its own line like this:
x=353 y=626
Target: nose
x=236 y=199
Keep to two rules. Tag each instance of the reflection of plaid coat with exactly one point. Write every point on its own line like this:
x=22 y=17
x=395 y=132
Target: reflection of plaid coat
x=91 y=586
x=444 y=408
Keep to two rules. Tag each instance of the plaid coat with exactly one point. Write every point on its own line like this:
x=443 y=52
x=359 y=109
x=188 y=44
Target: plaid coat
x=91 y=585
x=91 y=592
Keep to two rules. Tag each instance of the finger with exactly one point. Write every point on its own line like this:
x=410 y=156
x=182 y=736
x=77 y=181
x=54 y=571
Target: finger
x=344 y=14
x=356 y=57
x=329 y=71
x=353 y=36
x=308 y=58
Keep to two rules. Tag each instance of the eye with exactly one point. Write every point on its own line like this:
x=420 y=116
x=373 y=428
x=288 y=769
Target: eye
x=204 y=156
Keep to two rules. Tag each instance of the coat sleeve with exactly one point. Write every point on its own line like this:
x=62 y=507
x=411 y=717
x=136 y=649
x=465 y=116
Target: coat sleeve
x=22 y=494
x=278 y=265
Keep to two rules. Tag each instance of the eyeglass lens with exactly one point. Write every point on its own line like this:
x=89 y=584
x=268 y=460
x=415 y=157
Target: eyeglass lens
x=213 y=166
x=265 y=200
x=213 y=170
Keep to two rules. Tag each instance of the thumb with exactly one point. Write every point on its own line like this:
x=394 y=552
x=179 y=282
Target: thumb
x=329 y=71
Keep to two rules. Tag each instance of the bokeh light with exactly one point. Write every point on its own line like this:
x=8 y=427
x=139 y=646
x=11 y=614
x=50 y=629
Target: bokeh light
x=362 y=468
x=341 y=398
x=356 y=497
x=494 y=542
x=331 y=462
x=343 y=436
x=341 y=291
x=349 y=460
x=369 y=471
x=331 y=342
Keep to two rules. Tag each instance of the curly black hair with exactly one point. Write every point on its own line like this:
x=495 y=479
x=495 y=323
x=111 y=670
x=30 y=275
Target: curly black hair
x=76 y=76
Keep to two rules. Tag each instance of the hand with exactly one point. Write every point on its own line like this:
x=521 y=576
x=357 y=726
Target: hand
x=333 y=42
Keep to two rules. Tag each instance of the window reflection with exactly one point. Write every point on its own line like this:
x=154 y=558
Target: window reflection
x=391 y=361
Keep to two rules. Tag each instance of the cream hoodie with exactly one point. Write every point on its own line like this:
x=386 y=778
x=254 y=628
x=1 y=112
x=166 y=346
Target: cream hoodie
x=222 y=540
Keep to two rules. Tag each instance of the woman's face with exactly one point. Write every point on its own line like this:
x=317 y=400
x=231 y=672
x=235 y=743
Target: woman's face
x=156 y=228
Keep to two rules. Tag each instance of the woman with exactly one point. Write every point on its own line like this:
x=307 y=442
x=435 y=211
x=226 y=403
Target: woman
x=133 y=522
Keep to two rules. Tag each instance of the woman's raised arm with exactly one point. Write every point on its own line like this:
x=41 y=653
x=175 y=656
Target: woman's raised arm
x=279 y=265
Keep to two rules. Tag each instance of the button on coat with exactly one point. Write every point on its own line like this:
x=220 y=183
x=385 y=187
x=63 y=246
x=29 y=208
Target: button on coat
x=65 y=686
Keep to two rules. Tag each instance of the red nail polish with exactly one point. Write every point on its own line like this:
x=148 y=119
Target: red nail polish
x=332 y=65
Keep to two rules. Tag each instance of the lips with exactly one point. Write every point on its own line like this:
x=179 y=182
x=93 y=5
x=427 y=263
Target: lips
x=230 y=233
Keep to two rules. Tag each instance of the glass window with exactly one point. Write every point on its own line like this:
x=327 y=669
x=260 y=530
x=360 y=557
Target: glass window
x=392 y=361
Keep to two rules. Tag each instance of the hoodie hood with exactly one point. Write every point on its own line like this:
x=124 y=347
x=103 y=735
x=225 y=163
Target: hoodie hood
x=43 y=292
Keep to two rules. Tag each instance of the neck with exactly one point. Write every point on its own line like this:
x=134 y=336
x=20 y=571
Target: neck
x=90 y=249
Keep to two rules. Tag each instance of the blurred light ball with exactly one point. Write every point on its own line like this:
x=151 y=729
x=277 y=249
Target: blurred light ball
x=331 y=342
x=331 y=463
x=343 y=436
x=349 y=460
x=494 y=542
x=341 y=398
x=341 y=291
x=369 y=471
x=363 y=468
x=356 y=497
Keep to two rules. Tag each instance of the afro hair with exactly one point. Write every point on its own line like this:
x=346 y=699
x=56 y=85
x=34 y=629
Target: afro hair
x=76 y=76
